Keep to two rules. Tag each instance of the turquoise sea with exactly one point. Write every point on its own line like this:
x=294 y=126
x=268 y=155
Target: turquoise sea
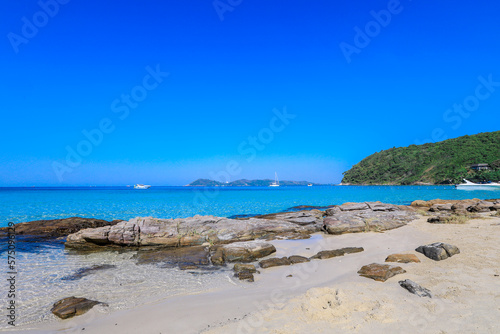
x=27 y=204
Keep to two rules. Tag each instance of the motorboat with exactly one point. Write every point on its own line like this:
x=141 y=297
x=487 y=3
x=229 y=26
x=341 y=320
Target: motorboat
x=468 y=185
x=142 y=186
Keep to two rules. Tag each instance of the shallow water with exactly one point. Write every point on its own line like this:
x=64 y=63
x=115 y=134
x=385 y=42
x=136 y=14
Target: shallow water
x=42 y=268
x=27 y=204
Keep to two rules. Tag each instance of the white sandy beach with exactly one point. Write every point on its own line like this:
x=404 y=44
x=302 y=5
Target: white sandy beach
x=328 y=296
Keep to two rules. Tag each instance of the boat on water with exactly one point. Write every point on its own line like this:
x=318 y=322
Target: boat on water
x=276 y=182
x=477 y=186
x=310 y=185
x=142 y=186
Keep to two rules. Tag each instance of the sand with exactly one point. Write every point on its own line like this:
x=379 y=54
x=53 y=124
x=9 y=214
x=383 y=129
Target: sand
x=327 y=296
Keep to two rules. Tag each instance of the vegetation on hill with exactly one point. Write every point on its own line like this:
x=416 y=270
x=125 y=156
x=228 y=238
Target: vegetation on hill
x=246 y=183
x=444 y=162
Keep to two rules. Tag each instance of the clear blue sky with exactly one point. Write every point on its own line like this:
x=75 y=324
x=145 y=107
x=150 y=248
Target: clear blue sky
x=226 y=77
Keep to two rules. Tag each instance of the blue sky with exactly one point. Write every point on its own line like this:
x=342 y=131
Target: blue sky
x=72 y=72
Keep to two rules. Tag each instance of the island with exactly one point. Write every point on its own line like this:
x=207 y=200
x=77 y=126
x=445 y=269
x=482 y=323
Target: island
x=248 y=183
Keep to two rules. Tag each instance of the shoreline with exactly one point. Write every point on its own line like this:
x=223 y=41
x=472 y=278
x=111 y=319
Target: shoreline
x=234 y=309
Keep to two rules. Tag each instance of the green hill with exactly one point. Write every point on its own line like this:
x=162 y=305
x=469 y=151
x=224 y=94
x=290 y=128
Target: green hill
x=444 y=162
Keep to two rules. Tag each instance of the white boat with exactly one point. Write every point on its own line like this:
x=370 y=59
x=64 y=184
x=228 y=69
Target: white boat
x=310 y=185
x=142 y=186
x=276 y=183
x=477 y=186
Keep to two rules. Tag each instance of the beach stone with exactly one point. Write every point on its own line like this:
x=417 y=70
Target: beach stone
x=82 y=272
x=415 y=288
x=379 y=206
x=402 y=258
x=56 y=228
x=298 y=259
x=438 y=251
x=72 y=306
x=239 y=267
x=247 y=251
x=184 y=258
x=275 y=262
x=336 y=226
x=326 y=254
x=245 y=275
x=332 y=211
x=380 y=272
x=441 y=207
x=420 y=204
x=482 y=207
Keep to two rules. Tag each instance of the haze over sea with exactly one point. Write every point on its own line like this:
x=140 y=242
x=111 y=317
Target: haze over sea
x=27 y=204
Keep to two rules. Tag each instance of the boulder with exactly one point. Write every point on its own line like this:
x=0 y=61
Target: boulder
x=182 y=232
x=438 y=251
x=415 y=288
x=441 y=207
x=380 y=272
x=482 y=206
x=239 y=267
x=82 y=272
x=402 y=258
x=72 y=306
x=326 y=254
x=247 y=251
x=57 y=228
x=275 y=262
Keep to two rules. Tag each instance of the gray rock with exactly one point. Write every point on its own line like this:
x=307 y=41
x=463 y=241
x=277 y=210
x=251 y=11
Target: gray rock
x=332 y=211
x=379 y=206
x=193 y=231
x=354 y=206
x=441 y=207
x=247 y=251
x=415 y=288
x=438 y=251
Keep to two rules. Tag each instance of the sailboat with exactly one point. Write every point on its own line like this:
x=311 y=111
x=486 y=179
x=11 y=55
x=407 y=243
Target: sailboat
x=276 y=183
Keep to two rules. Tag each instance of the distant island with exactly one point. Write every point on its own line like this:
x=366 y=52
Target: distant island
x=476 y=158
x=247 y=183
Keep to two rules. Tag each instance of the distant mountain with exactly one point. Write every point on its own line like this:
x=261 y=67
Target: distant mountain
x=444 y=162
x=246 y=183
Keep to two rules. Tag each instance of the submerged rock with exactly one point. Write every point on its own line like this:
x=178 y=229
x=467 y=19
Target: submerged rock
x=402 y=258
x=245 y=275
x=415 y=288
x=57 y=228
x=380 y=272
x=184 y=258
x=82 y=272
x=438 y=251
x=72 y=306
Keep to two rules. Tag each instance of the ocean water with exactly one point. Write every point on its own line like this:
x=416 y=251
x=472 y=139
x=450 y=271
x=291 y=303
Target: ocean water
x=27 y=204
x=42 y=266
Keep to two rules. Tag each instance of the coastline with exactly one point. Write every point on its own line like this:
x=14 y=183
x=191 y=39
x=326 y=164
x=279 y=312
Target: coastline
x=466 y=279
